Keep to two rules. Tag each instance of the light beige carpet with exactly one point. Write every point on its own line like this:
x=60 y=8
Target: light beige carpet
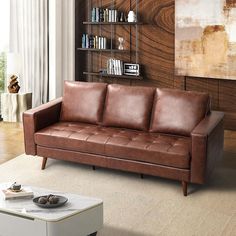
x=139 y=207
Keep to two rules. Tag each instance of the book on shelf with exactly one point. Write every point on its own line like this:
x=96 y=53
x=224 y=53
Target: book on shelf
x=99 y=43
x=91 y=41
x=84 y=40
x=114 y=67
x=114 y=16
x=97 y=14
x=104 y=15
x=25 y=192
x=101 y=15
x=87 y=41
x=93 y=15
x=96 y=42
x=104 y=43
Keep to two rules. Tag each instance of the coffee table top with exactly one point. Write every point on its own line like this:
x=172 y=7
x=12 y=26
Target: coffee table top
x=26 y=208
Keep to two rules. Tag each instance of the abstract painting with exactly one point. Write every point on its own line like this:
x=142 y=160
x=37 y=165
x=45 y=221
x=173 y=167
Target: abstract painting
x=205 y=38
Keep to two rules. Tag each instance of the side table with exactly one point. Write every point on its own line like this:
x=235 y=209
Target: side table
x=14 y=104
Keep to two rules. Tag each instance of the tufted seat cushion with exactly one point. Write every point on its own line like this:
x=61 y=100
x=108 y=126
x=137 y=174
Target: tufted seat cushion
x=141 y=146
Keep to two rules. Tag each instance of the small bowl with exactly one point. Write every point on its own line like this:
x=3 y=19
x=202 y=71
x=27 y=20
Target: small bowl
x=62 y=200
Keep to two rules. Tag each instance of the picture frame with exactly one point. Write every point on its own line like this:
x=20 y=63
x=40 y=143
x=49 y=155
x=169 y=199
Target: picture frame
x=132 y=69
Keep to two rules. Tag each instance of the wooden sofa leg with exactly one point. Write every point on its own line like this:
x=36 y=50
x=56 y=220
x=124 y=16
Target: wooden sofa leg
x=94 y=167
x=185 y=188
x=44 y=162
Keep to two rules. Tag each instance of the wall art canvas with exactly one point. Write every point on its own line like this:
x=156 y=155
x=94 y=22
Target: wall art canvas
x=205 y=38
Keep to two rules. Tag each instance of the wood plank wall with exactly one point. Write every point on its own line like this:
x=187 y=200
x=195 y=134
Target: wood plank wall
x=156 y=53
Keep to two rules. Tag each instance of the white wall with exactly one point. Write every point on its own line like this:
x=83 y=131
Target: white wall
x=61 y=45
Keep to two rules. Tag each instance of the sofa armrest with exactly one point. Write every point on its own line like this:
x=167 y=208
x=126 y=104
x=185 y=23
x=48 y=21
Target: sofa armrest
x=207 y=146
x=39 y=118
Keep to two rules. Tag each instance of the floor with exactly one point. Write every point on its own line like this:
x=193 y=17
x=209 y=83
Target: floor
x=230 y=142
x=139 y=207
x=12 y=141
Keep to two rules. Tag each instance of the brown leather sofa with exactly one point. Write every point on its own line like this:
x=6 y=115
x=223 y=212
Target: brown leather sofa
x=161 y=132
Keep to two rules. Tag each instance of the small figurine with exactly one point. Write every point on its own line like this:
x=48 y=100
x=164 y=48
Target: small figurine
x=13 y=87
x=121 y=43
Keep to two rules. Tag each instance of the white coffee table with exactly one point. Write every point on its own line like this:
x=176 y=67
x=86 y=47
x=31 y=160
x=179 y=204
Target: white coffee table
x=80 y=216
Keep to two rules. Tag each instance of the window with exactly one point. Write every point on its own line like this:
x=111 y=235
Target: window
x=4 y=39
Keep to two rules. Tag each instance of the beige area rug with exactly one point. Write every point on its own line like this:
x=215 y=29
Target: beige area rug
x=139 y=207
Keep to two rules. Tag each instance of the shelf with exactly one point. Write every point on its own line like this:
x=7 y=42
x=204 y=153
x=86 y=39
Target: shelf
x=111 y=23
x=103 y=50
x=113 y=76
x=132 y=51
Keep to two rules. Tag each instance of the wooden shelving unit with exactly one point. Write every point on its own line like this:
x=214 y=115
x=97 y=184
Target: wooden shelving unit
x=111 y=23
x=103 y=50
x=132 y=77
x=95 y=59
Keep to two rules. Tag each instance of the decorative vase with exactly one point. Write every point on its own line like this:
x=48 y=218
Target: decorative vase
x=132 y=17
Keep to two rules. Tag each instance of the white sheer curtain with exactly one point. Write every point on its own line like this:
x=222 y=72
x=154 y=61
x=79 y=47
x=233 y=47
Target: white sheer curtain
x=29 y=38
x=68 y=37
x=61 y=44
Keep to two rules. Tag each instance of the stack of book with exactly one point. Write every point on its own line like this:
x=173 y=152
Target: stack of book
x=106 y=15
x=25 y=192
x=91 y=41
x=114 y=67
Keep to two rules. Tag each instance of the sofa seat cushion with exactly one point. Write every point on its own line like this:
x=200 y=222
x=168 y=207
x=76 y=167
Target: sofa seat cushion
x=73 y=136
x=158 y=149
x=127 y=144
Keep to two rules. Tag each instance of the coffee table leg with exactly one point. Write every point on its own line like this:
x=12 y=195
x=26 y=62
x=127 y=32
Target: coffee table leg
x=93 y=234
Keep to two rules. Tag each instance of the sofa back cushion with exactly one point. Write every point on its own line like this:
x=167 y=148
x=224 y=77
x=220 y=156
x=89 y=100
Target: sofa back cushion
x=178 y=112
x=83 y=102
x=128 y=107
